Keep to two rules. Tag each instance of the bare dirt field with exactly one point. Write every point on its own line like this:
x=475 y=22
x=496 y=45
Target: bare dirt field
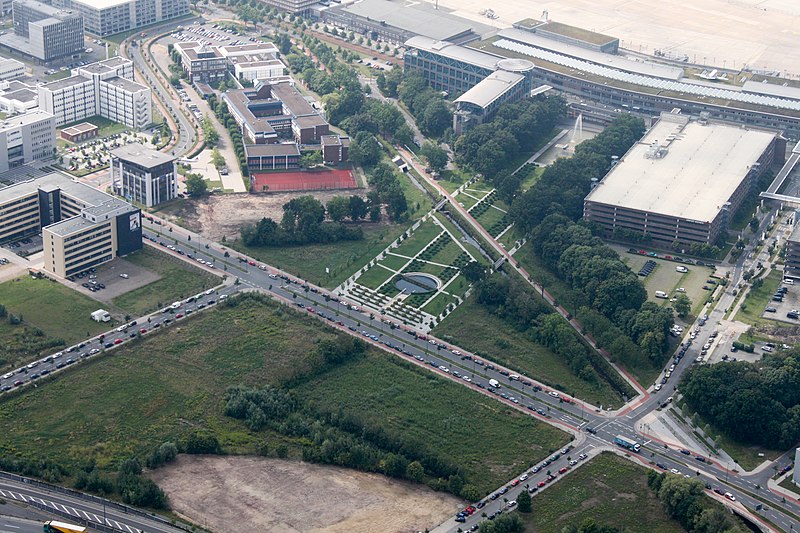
x=762 y=34
x=234 y=494
x=221 y=215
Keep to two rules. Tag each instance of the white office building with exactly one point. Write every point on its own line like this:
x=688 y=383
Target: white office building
x=105 y=88
x=25 y=138
x=69 y=100
x=107 y=17
x=11 y=69
x=142 y=175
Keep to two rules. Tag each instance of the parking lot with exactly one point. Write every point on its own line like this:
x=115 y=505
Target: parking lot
x=25 y=247
x=96 y=153
x=665 y=277
x=790 y=305
x=110 y=277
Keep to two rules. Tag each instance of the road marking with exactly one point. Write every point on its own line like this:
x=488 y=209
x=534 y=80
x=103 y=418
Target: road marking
x=9 y=525
x=647 y=442
x=97 y=518
x=86 y=515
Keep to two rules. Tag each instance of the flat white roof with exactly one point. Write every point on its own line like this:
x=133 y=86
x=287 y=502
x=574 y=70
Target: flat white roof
x=102 y=4
x=703 y=166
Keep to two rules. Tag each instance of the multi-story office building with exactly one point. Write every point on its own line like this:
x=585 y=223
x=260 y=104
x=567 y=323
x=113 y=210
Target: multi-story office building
x=791 y=263
x=11 y=68
x=107 y=17
x=25 y=138
x=105 y=88
x=126 y=102
x=682 y=182
x=81 y=227
x=298 y=7
x=142 y=175
x=270 y=110
x=210 y=64
x=17 y=97
x=68 y=100
x=202 y=63
x=45 y=32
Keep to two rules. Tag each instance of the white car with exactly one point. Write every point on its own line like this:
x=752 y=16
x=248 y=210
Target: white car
x=210 y=291
x=658 y=387
x=523 y=477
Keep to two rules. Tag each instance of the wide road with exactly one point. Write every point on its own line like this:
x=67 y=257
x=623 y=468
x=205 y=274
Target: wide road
x=82 y=510
x=186 y=134
x=445 y=359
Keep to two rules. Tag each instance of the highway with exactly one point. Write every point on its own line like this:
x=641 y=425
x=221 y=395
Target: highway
x=82 y=511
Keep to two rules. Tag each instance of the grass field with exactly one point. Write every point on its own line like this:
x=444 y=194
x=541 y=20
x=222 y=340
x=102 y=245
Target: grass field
x=342 y=258
x=490 y=441
x=178 y=280
x=608 y=489
x=424 y=234
x=788 y=484
x=173 y=383
x=57 y=311
x=757 y=299
x=374 y=277
x=479 y=331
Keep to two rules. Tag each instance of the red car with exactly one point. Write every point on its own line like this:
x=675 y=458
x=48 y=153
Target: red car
x=541 y=484
x=311 y=310
x=179 y=315
x=515 y=483
x=118 y=341
x=251 y=263
x=143 y=330
x=563 y=470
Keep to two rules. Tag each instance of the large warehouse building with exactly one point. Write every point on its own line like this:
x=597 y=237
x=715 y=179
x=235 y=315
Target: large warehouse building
x=682 y=181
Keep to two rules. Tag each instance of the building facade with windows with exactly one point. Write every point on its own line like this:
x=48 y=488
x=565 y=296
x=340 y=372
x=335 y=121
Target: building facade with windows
x=202 y=63
x=144 y=176
x=107 y=17
x=682 y=182
x=45 y=32
x=81 y=227
x=11 y=68
x=105 y=88
x=26 y=138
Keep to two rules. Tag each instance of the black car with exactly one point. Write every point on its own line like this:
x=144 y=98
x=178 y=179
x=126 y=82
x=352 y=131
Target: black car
x=108 y=345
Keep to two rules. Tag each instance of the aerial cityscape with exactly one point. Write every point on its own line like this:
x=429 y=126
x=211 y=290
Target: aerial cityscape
x=399 y=266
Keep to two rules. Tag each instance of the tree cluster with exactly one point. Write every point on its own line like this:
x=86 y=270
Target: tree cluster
x=431 y=112
x=684 y=500
x=517 y=128
x=303 y=222
x=753 y=403
x=505 y=523
x=607 y=285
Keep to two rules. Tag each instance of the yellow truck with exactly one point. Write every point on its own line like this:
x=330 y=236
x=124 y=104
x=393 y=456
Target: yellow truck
x=54 y=526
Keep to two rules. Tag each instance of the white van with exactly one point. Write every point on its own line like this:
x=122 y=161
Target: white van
x=788 y=281
x=661 y=294
x=681 y=269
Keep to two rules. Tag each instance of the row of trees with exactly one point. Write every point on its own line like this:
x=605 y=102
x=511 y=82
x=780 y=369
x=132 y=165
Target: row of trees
x=529 y=313
x=516 y=129
x=303 y=222
x=224 y=116
x=684 y=500
x=753 y=403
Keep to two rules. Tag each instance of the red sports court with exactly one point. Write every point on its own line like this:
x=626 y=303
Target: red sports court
x=303 y=181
